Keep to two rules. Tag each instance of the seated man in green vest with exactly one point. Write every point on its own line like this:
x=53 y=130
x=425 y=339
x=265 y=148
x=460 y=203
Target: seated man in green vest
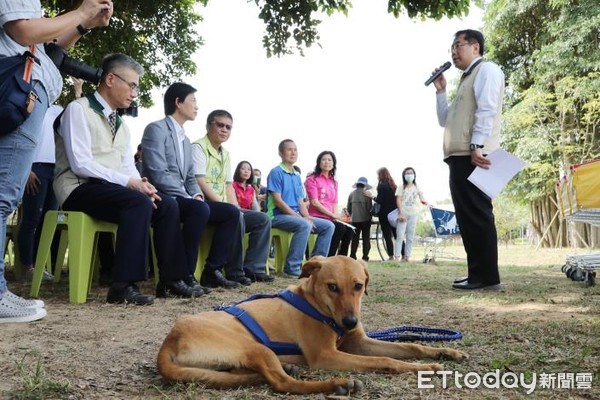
x=212 y=167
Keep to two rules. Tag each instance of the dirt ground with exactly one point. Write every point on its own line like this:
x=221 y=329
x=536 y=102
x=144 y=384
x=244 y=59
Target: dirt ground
x=539 y=322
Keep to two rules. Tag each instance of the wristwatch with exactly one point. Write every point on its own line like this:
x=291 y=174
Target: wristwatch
x=82 y=31
x=473 y=147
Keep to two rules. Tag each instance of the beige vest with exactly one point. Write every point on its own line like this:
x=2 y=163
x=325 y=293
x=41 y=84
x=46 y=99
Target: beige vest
x=460 y=119
x=104 y=150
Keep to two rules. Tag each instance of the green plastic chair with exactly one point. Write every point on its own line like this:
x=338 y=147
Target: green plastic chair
x=205 y=243
x=82 y=236
x=281 y=241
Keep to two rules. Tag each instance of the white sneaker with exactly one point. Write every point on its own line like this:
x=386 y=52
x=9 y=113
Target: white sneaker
x=10 y=312
x=21 y=302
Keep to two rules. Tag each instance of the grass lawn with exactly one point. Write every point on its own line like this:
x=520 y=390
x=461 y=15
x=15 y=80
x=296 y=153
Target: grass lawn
x=540 y=324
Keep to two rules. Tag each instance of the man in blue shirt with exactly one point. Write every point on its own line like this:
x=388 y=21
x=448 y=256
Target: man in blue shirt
x=288 y=211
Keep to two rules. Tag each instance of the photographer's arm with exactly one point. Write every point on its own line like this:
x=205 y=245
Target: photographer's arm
x=63 y=28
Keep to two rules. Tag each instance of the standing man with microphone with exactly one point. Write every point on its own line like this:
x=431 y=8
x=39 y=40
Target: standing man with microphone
x=472 y=130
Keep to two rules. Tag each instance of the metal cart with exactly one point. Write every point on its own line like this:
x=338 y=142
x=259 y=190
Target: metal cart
x=579 y=201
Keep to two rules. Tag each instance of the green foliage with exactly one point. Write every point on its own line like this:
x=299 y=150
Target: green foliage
x=425 y=226
x=292 y=25
x=430 y=9
x=549 y=52
x=512 y=216
x=159 y=34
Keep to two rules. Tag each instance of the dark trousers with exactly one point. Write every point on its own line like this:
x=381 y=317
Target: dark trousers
x=133 y=212
x=387 y=232
x=193 y=215
x=475 y=217
x=363 y=229
x=340 y=239
x=225 y=218
x=34 y=207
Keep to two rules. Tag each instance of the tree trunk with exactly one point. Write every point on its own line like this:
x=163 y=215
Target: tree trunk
x=551 y=229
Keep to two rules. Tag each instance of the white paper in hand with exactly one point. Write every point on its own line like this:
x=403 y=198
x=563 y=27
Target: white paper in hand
x=503 y=167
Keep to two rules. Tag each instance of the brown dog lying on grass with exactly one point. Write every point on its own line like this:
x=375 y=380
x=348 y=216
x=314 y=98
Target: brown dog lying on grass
x=215 y=348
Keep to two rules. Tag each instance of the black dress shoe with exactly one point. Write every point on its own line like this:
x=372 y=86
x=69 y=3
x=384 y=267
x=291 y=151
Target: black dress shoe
x=215 y=279
x=461 y=280
x=466 y=285
x=193 y=283
x=259 y=276
x=177 y=289
x=129 y=295
x=244 y=280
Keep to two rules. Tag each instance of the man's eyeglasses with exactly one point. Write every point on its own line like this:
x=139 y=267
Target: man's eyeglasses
x=133 y=86
x=455 y=46
x=221 y=125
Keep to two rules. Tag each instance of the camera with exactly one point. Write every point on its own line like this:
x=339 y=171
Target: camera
x=131 y=111
x=70 y=66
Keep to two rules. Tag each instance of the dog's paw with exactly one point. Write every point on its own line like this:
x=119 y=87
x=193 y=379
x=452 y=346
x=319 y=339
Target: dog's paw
x=352 y=386
x=291 y=370
x=431 y=367
x=456 y=355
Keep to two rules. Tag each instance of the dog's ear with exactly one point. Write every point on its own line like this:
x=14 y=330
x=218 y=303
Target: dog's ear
x=311 y=265
x=366 y=269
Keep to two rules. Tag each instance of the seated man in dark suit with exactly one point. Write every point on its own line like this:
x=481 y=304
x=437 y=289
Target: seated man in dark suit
x=167 y=162
x=95 y=174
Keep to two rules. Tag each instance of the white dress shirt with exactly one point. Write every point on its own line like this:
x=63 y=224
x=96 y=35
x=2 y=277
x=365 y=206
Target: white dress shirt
x=78 y=147
x=180 y=138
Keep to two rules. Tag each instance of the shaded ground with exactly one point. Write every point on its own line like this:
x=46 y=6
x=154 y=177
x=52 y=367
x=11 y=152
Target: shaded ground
x=540 y=322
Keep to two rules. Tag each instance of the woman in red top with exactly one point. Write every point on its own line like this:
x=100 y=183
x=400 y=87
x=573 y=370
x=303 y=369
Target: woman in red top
x=242 y=184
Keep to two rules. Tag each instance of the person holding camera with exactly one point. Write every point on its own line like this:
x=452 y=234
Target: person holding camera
x=260 y=189
x=22 y=25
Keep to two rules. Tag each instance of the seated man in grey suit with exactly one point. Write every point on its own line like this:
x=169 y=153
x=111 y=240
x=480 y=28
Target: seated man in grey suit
x=167 y=163
x=95 y=174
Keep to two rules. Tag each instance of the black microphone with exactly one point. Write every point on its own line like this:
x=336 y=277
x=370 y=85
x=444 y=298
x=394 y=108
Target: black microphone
x=437 y=73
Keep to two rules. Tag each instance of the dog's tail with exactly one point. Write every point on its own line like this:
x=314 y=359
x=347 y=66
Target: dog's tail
x=172 y=371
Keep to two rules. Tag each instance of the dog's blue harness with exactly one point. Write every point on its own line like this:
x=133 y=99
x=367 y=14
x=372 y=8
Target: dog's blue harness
x=279 y=348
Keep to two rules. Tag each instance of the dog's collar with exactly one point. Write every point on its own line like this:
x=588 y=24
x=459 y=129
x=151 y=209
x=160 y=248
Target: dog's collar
x=294 y=300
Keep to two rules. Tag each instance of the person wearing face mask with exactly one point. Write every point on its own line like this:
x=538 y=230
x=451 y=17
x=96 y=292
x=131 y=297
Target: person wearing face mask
x=408 y=197
x=261 y=191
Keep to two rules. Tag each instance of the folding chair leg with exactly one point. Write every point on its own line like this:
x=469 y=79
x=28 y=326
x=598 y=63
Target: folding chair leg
x=43 y=254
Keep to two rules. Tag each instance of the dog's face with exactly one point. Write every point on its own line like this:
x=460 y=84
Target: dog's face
x=336 y=285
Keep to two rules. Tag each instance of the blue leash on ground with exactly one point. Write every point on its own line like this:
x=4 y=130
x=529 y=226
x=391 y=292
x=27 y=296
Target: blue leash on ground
x=419 y=334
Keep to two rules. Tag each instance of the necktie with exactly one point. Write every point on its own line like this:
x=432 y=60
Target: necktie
x=112 y=121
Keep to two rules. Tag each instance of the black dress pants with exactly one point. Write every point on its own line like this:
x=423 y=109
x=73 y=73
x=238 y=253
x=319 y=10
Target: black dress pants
x=475 y=217
x=342 y=235
x=225 y=218
x=133 y=211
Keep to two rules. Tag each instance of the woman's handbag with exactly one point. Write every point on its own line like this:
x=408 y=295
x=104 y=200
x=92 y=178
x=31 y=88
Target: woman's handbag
x=393 y=217
x=375 y=208
x=17 y=96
